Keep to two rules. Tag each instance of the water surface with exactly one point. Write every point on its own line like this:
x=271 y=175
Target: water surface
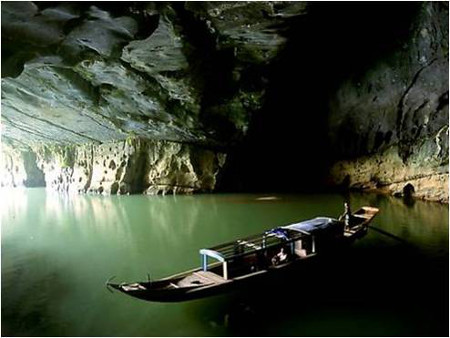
x=57 y=252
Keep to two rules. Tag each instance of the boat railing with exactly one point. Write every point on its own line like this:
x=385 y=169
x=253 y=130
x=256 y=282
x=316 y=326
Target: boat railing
x=258 y=245
x=205 y=253
x=250 y=245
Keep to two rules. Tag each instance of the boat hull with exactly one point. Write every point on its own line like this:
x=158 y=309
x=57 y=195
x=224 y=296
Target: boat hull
x=271 y=275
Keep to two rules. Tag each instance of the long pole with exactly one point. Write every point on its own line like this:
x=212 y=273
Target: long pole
x=388 y=234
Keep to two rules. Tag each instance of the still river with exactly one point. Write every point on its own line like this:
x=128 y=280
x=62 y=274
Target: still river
x=58 y=251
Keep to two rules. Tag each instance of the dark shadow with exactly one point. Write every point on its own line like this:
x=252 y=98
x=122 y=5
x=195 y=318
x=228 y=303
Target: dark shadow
x=287 y=147
x=408 y=190
x=388 y=281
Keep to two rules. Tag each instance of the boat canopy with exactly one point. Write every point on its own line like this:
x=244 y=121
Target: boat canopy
x=318 y=223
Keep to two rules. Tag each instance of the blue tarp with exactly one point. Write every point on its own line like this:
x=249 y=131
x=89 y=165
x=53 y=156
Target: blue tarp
x=279 y=232
x=317 y=223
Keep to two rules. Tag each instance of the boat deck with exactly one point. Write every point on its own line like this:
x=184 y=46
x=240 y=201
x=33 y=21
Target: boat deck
x=351 y=231
x=200 y=278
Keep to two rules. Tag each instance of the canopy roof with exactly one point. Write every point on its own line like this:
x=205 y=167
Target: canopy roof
x=318 y=223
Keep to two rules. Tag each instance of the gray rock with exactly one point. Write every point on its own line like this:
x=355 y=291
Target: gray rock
x=162 y=51
x=253 y=29
x=391 y=124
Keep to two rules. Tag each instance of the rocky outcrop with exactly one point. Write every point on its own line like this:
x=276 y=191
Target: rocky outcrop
x=131 y=166
x=424 y=175
x=174 y=79
x=75 y=73
x=389 y=125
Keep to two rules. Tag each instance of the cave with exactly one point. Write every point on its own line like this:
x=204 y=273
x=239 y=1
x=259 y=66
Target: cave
x=408 y=190
x=138 y=135
x=282 y=95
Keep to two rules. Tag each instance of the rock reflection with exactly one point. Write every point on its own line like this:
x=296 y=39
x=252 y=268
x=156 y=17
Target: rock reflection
x=138 y=228
x=172 y=219
x=14 y=206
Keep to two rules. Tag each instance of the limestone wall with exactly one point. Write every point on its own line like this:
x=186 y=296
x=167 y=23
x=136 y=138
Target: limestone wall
x=389 y=125
x=130 y=166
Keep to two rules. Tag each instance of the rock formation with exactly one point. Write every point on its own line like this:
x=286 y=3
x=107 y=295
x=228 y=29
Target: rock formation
x=130 y=166
x=389 y=125
x=79 y=80
x=158 y=97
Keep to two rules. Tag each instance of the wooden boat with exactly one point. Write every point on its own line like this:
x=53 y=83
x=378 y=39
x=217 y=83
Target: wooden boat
x=246 y=260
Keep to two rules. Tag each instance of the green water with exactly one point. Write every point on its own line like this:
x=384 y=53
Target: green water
x=58 y=251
